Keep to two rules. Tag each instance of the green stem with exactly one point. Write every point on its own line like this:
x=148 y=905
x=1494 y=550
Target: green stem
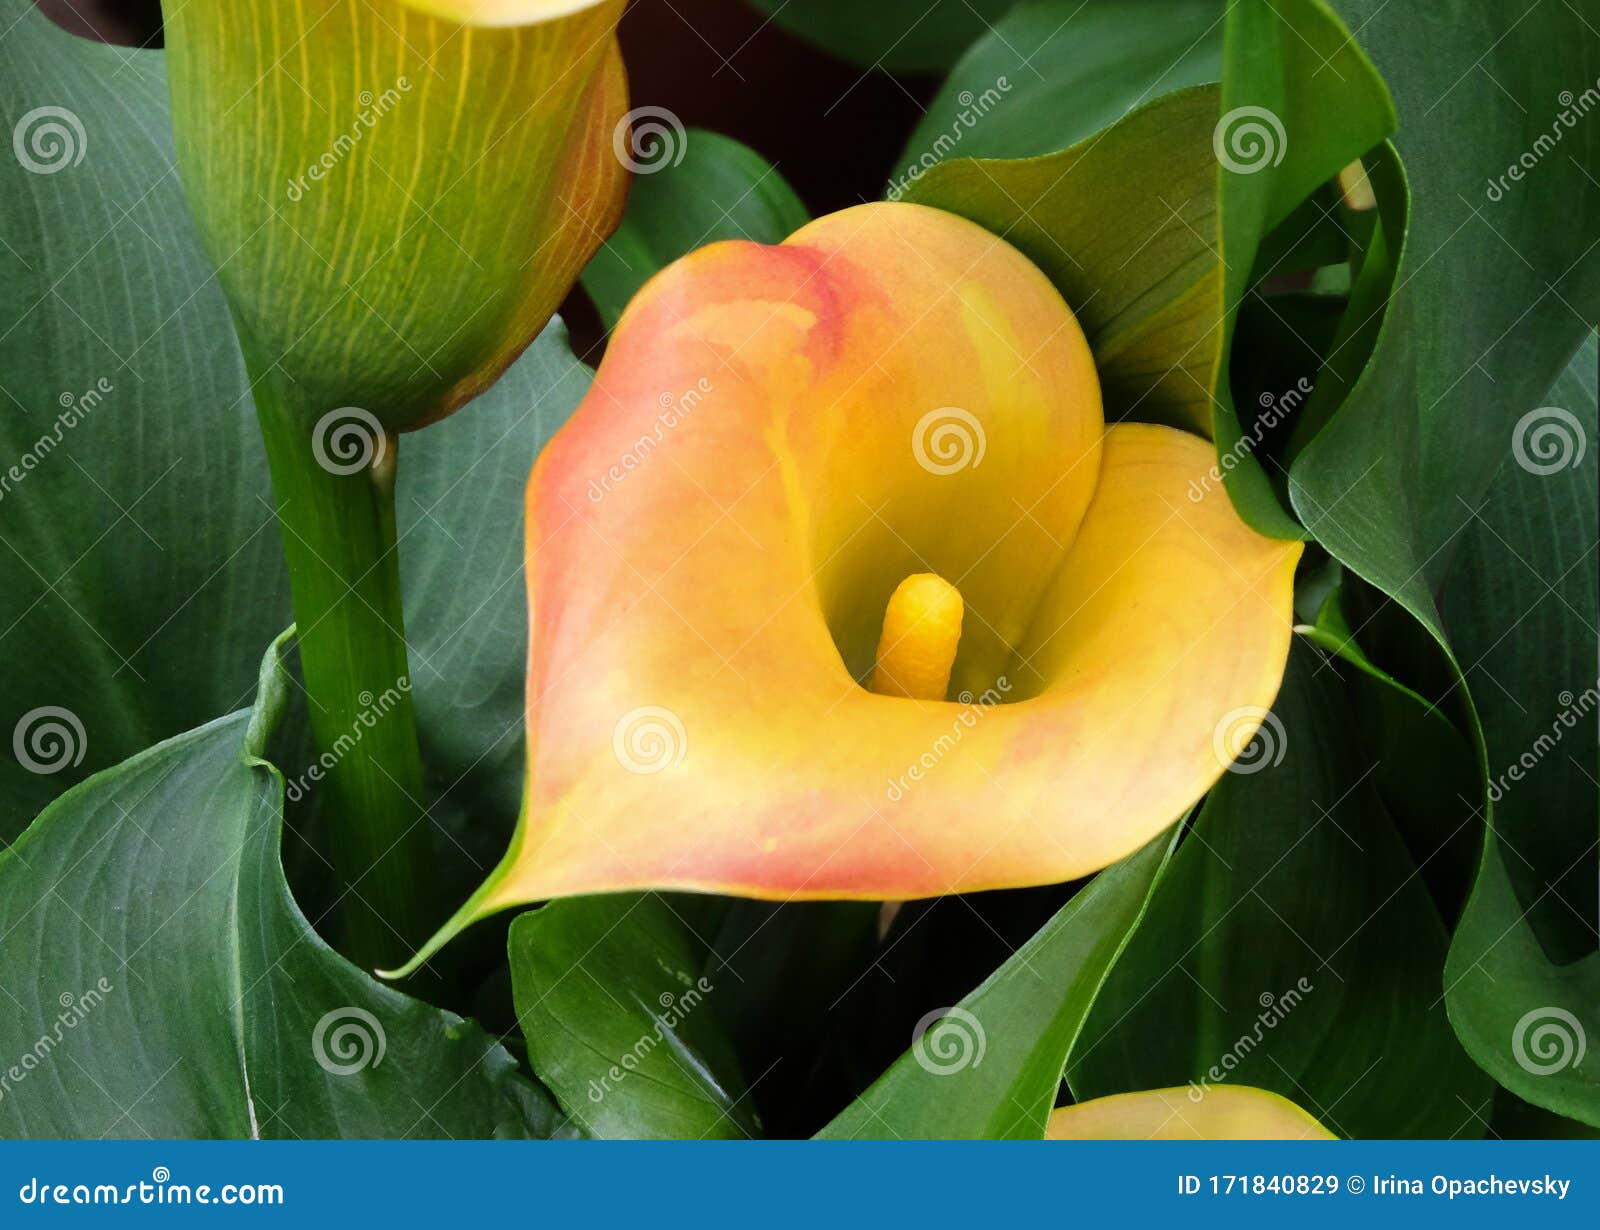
x=339 y=537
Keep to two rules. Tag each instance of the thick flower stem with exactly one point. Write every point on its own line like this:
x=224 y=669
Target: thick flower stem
x=335 y=502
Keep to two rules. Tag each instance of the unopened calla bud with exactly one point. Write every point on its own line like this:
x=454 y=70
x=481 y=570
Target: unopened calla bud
x=396 y=202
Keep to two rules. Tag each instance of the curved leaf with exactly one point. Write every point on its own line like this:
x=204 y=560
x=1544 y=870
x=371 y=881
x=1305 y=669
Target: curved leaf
x=1523 y=981
x=1053 y=72
x=167 y=985
x=621 y=1021
x=1291 y=946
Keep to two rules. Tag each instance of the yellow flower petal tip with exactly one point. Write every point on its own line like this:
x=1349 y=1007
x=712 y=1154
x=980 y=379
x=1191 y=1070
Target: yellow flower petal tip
x=500 y=12
x=1211 y=1112
x=718 y=549
x=917 y=648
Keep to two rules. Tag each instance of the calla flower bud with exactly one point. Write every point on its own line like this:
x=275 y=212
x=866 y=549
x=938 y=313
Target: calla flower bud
x=396 y=202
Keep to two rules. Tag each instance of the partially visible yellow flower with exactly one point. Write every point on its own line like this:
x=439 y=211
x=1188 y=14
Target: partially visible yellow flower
x=732 y=686
x=1217 y=1112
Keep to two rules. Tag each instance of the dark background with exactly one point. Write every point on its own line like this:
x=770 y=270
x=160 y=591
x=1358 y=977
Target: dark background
x=832 y=130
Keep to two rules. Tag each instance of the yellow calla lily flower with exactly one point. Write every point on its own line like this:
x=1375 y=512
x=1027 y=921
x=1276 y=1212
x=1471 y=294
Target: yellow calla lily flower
x=1216 y=1112
x=813 y=482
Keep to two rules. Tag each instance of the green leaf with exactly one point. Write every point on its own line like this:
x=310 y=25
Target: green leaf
x=395 y=205
x=105 y=608
x=135 y=485
x=1291 y=946
x=1523 y=981
x=166 y=985
x=1495 y=289
x=1300 y=101
x=1493 y=292
x=991 y=1066
x=1052 y=72
x=900 y=36
x=620 y=1018
x=1119 y=223
x=719 y=190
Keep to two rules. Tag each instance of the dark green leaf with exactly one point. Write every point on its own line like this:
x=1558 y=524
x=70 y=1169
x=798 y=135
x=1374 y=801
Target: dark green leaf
x=134 y=496
x=1524 y=974
x=166 y=984
x=1120 y=223
x=1299 y=103
x=1291 y=945
x=991 y=1066
x=620 y=1021
x=720 y=190
x=106 y=609
x=1495 y=288
x=1052 y=72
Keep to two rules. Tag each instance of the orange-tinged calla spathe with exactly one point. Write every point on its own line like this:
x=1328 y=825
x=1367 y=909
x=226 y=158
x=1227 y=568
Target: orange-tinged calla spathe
x=1212 y=1112
x=778 y=438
